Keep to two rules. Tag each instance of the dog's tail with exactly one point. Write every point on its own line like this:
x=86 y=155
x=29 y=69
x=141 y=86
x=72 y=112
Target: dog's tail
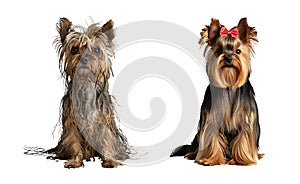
x=183 y=150
x=37 y=151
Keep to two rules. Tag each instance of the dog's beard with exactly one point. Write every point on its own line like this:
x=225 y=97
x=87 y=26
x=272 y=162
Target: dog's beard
x=86 y=113
x=85 y=110
x=88 y=117
x=230 y=75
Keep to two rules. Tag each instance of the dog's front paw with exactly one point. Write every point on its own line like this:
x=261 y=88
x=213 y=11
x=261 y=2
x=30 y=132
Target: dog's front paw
x=232 y=162
x=210 y=162
x=108 y=163
x=73 y=164
x=245 y=163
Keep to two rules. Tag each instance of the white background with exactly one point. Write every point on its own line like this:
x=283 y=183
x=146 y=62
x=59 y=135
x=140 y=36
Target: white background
x=31 y=88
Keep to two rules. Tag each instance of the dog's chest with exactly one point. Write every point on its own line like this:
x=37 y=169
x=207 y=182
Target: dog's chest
x=230 y=108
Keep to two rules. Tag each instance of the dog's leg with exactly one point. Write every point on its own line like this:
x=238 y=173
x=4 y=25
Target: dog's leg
x=244 y=147
x=75 y=162
x=244 y=150
x=71 y=142
x=108 y=149
x=211 y=150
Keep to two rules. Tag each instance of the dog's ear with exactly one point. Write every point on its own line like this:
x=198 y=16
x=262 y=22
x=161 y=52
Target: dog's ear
x=64 y=28
x=108 y=30
x=210 y=33
x=204 y=35
x=246 y=33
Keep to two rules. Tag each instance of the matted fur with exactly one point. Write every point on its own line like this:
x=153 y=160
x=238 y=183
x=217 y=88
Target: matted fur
x=229 y=130
x=87 y=109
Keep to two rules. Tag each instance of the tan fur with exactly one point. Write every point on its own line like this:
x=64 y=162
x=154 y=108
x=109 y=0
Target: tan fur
x=214 y=146
x=228 y=128
x=232 y=77
x=88 y=113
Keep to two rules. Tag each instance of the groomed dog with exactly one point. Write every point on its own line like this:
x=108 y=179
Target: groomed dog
x=229 y=130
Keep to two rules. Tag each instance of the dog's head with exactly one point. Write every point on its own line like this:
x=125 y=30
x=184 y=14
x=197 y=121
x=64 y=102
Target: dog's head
x=85 y=51
x=228 y=53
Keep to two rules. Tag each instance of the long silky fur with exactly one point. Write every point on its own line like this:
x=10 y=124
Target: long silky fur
x=228 y=131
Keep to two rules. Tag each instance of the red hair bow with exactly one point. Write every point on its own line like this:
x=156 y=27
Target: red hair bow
x=233 y=32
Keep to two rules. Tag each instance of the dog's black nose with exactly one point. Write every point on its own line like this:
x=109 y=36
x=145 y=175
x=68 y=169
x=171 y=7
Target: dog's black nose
x=228 y=59
x=84 y=60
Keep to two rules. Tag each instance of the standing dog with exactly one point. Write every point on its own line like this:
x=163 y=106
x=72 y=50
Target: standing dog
x=228 y=129
x=87 y=110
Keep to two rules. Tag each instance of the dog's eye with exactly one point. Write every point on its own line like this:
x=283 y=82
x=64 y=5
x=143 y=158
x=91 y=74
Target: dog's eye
x=74 y=50
x=96 y=50
x=219 y=51
x=238 y=51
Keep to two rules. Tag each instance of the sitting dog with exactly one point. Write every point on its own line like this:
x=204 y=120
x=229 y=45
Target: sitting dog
x=228 y=130
x=87 y=109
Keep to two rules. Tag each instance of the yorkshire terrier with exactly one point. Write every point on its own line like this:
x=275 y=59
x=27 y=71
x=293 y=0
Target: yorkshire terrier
x=89 y=128
x=228 y=131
